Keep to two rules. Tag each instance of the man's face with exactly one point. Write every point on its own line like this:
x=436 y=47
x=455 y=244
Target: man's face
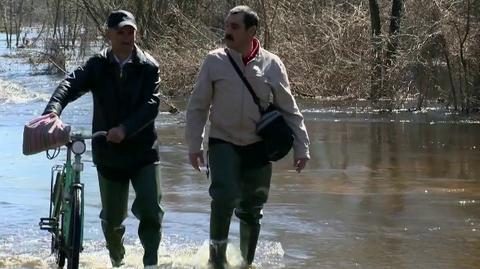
x=123 y=39
x=236 y=35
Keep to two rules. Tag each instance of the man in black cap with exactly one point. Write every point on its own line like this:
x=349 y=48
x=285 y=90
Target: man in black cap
x=124 y=81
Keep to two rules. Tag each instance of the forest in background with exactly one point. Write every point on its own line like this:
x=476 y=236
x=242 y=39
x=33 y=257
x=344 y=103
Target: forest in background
x=390 y=52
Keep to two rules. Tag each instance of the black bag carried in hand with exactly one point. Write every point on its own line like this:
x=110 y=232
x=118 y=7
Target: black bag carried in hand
x=272 y=127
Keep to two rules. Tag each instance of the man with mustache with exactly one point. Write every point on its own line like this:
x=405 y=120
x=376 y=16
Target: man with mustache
x=240 y=170
x=124 y=82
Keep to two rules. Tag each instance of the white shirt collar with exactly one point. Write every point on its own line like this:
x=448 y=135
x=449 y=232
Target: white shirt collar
x=129 y=59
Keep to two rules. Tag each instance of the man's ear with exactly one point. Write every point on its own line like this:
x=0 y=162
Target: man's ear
x=108 y=34
x=252 y=30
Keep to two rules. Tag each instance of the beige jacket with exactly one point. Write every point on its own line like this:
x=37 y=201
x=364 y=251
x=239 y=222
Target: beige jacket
x=221 y=95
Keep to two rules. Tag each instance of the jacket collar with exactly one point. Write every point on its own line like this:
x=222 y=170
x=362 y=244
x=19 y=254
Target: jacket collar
x=237 y=56
x=255 y=47
x=138 y=55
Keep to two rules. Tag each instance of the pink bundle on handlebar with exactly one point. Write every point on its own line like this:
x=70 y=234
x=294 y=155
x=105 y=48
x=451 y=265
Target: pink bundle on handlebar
x=44 y=132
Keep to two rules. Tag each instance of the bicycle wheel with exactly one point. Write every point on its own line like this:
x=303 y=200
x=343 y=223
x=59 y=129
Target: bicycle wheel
x=59 y=253
x=57 y=203
x=75 y=229
x=57 y=196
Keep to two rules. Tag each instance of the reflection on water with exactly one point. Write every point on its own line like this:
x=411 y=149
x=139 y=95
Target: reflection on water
x=385 y=195
x=381 y=191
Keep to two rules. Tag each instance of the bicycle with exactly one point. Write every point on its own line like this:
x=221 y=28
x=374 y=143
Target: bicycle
x=65 y=220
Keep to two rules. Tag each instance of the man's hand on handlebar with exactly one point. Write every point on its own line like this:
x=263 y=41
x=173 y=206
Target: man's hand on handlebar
x=116 y=134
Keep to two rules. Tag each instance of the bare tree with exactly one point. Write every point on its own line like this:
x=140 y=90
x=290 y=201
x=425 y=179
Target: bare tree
x=395 y=19
x=462 y=40
x=18 y=21
x=398 y=50
x=377 y=64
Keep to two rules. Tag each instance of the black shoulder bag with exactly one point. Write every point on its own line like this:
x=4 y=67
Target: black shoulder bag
x=272 y=127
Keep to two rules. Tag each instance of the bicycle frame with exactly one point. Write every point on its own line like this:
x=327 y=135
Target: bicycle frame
x=65 y=221
x=72 y=181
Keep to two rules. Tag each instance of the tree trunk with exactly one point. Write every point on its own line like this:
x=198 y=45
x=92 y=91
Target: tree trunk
x=66 y=26
x=75 y=27
x=5 y=22
x=141 y=19
x=377 y=66
x=395 y=18
x=266 y=29
x=32 y=7
x=450 y=76
x=468 y=94
x=18 y=22
x=10 y=18
x=56 y=18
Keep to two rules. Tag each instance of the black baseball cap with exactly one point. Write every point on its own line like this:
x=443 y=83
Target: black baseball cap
x=119 y=18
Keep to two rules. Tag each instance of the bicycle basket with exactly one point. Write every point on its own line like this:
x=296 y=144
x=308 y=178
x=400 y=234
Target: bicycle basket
x=44 y=132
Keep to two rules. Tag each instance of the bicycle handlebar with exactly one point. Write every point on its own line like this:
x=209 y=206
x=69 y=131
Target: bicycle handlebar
x=74 y=138
x=79 y=136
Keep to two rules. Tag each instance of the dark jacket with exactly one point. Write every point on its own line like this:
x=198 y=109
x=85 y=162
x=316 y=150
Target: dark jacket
x=129 y=98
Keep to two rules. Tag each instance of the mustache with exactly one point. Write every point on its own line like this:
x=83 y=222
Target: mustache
x=228 y=37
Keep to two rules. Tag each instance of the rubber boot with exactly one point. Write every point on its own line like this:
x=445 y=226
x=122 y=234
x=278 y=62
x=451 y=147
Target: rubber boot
x=248 y=241
x=218 y=257
x=114 y=238
x=150 y=235
x=220 y=217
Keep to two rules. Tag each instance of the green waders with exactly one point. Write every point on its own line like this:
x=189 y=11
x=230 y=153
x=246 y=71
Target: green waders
x=240 y=181
x=146 y=208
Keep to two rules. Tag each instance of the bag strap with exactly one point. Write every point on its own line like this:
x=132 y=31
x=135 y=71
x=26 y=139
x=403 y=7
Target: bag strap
x=245 y=81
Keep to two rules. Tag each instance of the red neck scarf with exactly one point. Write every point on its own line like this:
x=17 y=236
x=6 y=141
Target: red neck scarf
x=254 y=48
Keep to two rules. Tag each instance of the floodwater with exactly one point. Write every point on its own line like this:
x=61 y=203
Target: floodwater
x=399 y=190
